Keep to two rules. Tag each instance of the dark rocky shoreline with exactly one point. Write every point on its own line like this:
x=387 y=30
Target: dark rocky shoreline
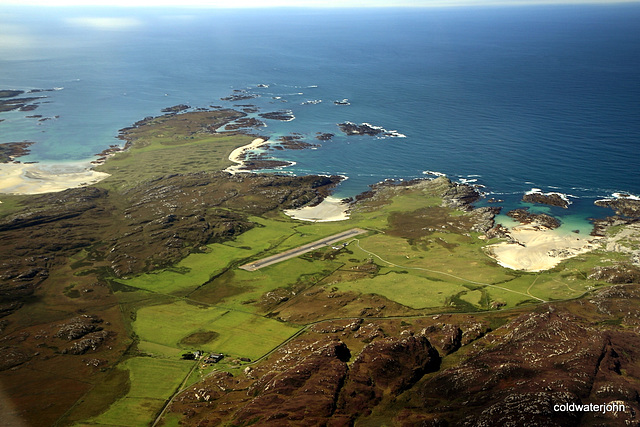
x=10 y=150
x=525 y=217
x=551 y=199
x=622 y=206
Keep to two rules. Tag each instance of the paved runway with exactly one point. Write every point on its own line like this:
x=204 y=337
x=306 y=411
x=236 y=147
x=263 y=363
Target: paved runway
x=292 y=253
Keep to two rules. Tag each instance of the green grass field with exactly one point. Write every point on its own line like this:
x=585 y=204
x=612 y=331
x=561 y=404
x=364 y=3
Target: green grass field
x=238 y=334
x=153 y=381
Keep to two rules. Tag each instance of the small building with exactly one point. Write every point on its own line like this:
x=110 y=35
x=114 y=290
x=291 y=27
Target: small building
x=214 y=358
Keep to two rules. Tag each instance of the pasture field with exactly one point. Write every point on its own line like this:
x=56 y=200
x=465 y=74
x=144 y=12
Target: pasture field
x=152 y=382
x=234 y=333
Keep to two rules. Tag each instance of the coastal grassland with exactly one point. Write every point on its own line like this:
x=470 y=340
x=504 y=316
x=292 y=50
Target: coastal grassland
x=10 y=204
x=406 y=289
x=173 y=143
x=205 y=153
x=439 y=271
x=152 y=382
x=238 y=334
x=242 y=290
x=209 y=276
x=188 y=274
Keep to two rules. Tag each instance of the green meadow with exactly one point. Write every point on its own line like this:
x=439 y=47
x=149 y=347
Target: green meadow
x=234 y=333
x=152 y=382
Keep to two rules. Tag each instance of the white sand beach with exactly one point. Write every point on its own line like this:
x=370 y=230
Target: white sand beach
x=37 y=178
x=238 y=154
x=330 y=209
x=539 y=248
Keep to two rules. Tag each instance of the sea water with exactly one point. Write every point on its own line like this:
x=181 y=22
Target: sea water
x=507 y=98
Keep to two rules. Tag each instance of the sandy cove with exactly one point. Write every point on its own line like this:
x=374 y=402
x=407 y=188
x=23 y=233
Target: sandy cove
x=237 y=155
x=37 y=178
x=330 y=209
x=536 y=248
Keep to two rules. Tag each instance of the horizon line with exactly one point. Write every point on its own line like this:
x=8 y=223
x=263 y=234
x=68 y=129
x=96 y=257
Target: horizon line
x=133 y=4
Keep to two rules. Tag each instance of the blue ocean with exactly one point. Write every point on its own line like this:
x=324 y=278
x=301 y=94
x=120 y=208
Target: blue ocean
x=506 y=98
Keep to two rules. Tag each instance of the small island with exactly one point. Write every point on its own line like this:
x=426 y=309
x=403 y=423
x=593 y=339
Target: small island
x=350 y=128
x=552 y=199
x=282 y=115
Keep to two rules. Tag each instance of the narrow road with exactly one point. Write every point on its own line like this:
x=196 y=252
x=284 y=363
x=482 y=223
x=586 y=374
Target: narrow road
x=292 y=253
x=180 y=388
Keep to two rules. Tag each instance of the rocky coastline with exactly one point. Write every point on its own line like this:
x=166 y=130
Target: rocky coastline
x=9 y=102
x=622 y=206
x=9 y=151
x=525 y=217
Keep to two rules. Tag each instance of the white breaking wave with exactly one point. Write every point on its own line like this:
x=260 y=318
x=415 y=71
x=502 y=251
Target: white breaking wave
x=434 y=173
x=625 y=196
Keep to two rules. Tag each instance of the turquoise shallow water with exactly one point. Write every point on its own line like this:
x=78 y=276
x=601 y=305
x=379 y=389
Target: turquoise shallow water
x=509 y=98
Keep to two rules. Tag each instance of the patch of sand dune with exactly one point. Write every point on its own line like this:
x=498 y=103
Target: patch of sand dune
x=330 y=209
x=536 y=248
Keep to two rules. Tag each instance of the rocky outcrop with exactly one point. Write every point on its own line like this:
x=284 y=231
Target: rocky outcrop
x=388 y=366
x=22 y=104
x=350 y=128
x=360 y=129
x=90 y=342
x=10 y=150
x=282 y=115
x=324 y=136
x=497 y=231
x=78 y=327
x=293 y=142
x=176 y=108
x=239 y=95
x=620 y=273
x=458 y=196
x=11 y=356
x=245 y=122
x=623 y=206
x=9 y=93
x=306 y=392
x=484 y=219
x=552 y=199
x=525 y=368
x=525 y=217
